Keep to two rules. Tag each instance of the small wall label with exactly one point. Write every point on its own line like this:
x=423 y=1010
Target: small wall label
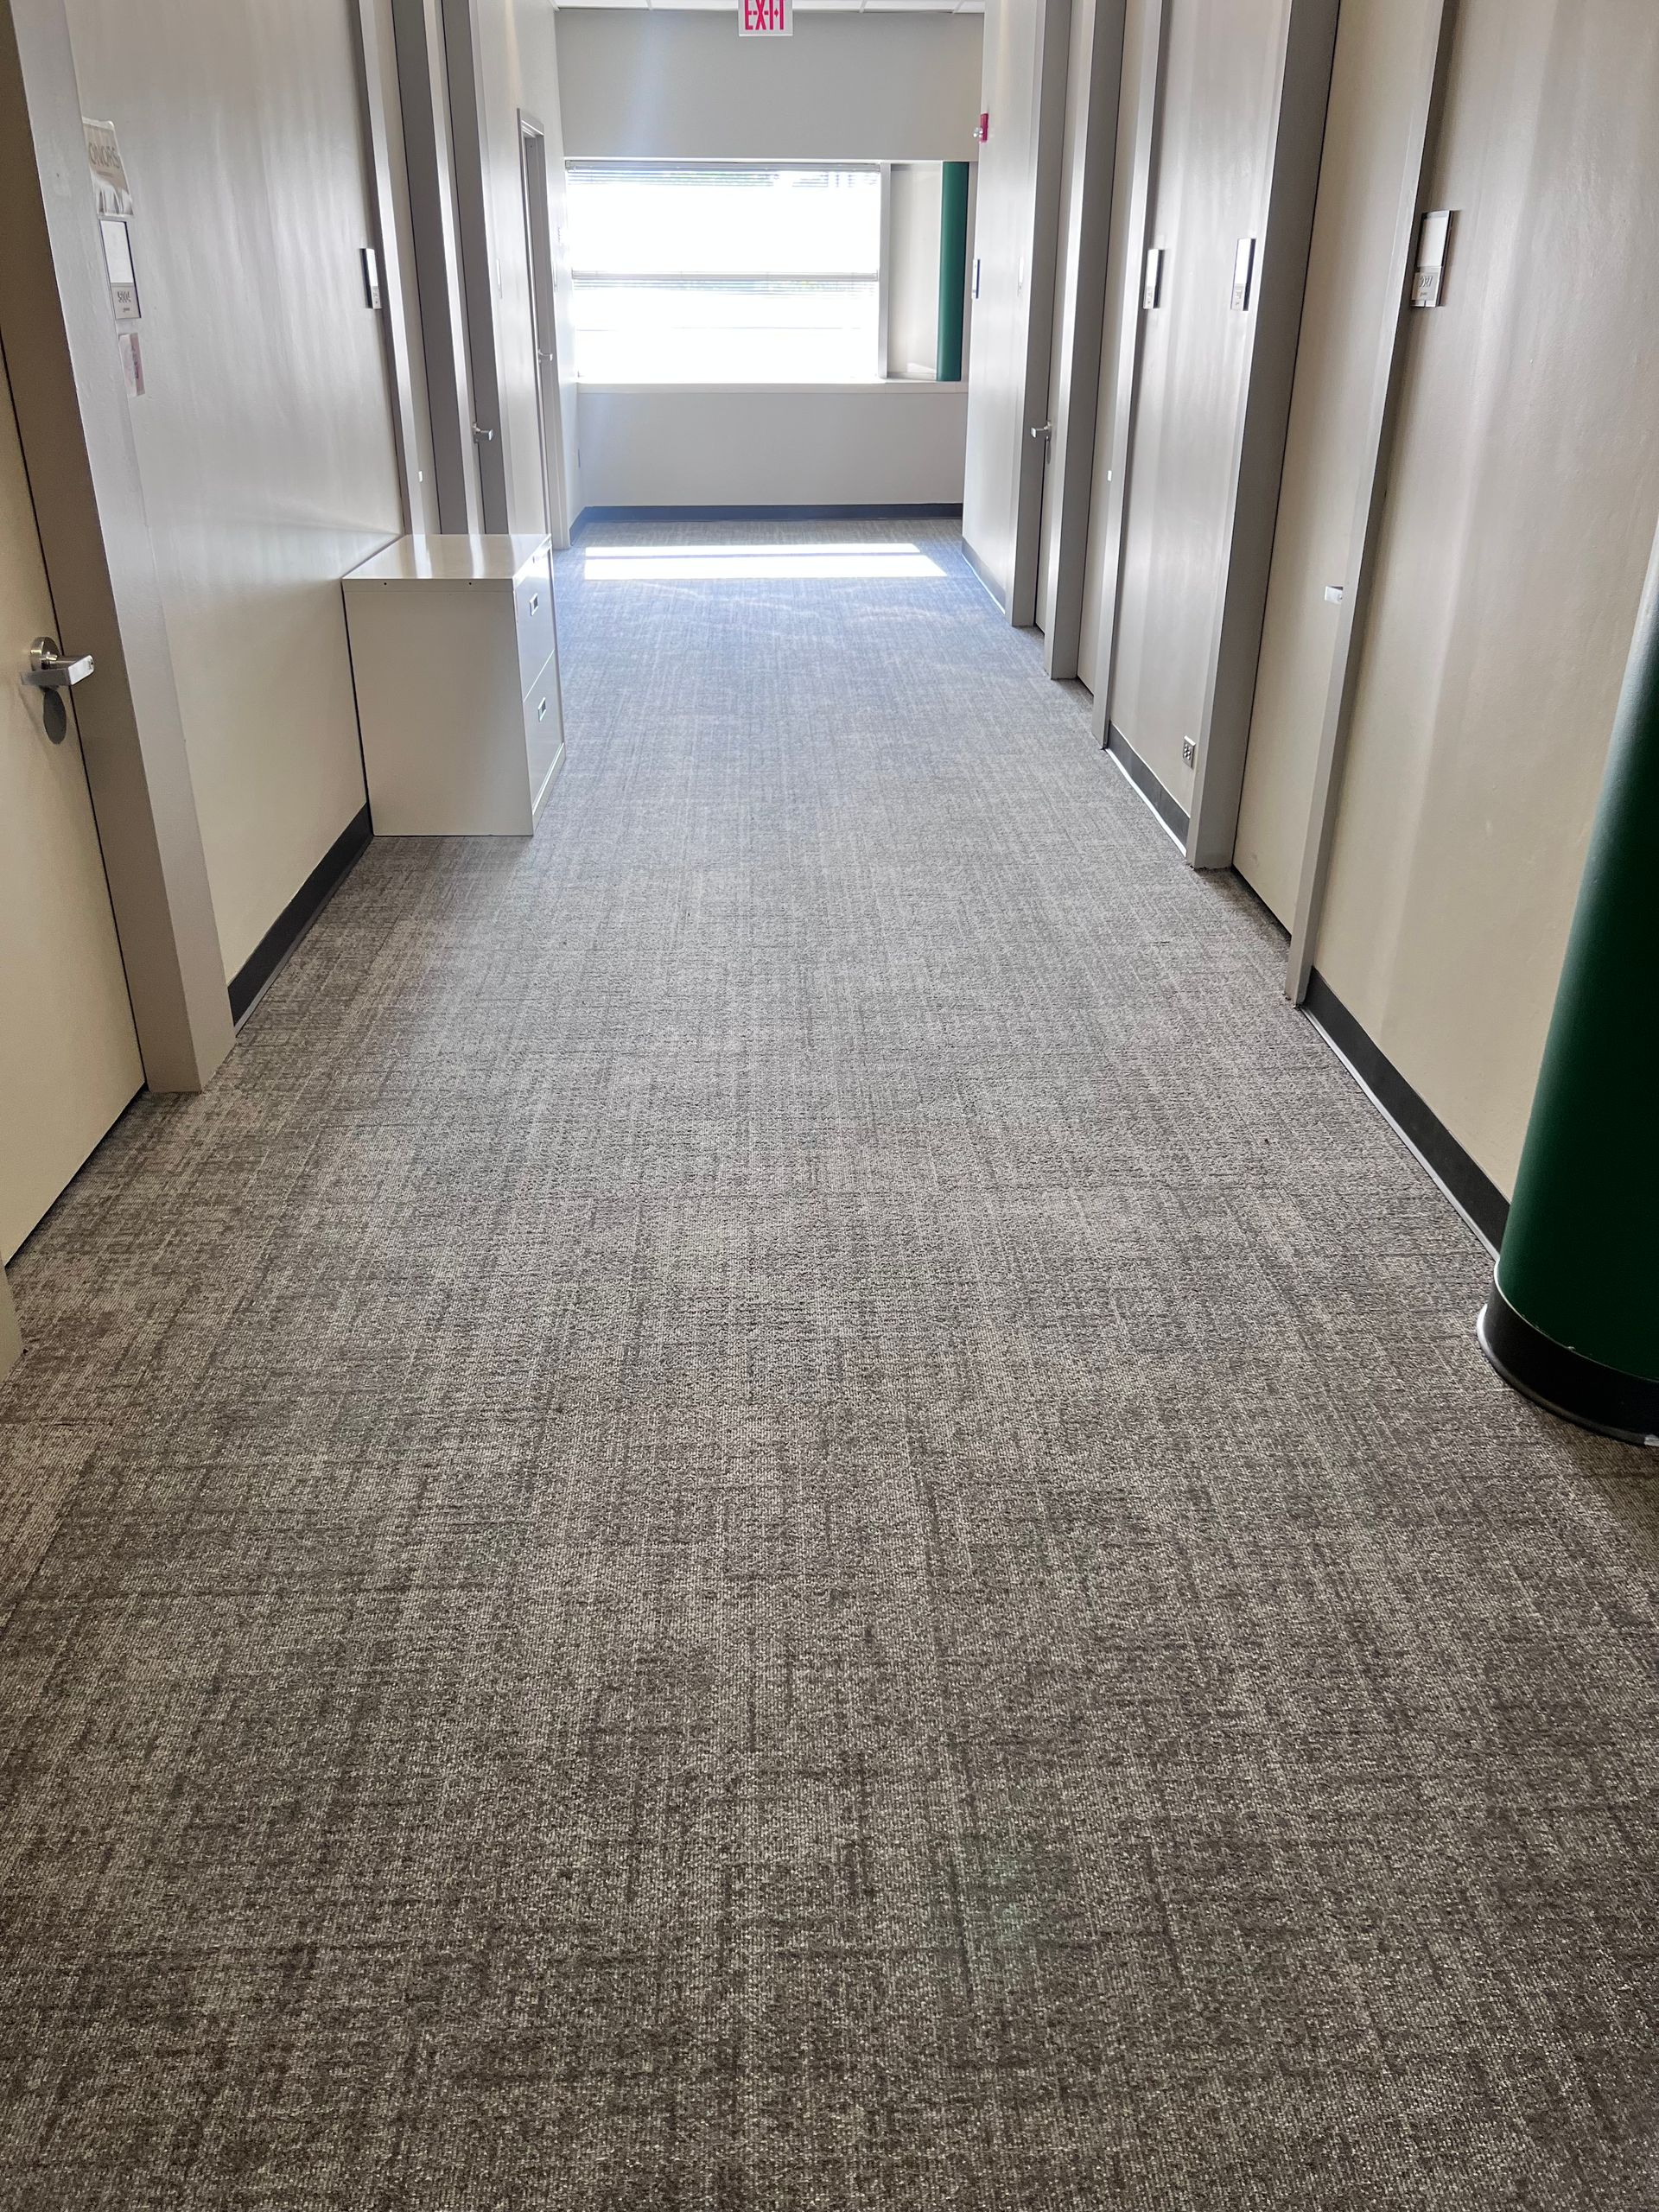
x=1428 y=277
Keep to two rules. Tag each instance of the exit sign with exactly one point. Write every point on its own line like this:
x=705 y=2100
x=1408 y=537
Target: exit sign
x=765 y=18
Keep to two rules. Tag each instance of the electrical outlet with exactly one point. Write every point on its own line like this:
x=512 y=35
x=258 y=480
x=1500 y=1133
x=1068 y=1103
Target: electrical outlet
x=1189 y=752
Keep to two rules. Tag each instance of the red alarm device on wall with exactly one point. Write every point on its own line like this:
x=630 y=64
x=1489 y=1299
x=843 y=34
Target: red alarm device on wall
x=982 y=129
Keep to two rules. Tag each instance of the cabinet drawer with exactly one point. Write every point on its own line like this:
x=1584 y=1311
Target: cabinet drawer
x=533 y=612
x=543 y=725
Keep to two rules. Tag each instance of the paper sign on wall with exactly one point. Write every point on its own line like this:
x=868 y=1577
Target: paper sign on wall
x=115 y=207
x=765 y=18
x=109 y=170
x=132 y=362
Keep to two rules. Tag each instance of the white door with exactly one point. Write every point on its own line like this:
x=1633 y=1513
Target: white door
x=68 y=1054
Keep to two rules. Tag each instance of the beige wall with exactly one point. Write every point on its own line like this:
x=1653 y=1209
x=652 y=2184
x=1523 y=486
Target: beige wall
x=1520 y=514
x=675 y=85
x=264 y=436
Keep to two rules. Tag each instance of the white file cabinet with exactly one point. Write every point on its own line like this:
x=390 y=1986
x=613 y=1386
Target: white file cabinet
x=457 y=676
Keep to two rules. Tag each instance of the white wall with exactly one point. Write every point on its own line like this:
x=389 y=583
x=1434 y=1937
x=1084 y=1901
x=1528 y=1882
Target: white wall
x=823 y=445
x=648 y=85
x=644 y=85
x=264 y=436
x=915 y=213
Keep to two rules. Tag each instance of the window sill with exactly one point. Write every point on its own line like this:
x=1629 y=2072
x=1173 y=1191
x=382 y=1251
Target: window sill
x=873 y=384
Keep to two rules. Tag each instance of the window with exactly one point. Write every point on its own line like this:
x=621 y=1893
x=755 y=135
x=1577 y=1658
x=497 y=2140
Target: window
x=736 y=274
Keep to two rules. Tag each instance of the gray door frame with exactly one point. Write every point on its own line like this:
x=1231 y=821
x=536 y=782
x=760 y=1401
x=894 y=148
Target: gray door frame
x=1132 y=312
x=423 y=89
x=468 y=134
x=550 y=399
x=1075 y=390
x=69 y=391
x=1042 y=263
x=383 y=138
x=1283 y=228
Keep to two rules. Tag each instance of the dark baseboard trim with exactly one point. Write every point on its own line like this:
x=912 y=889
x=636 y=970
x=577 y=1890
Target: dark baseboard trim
x=1164 y=803
x=926 y=511
x=296 y=917
x=1469 y=1186
x=1564 y=1382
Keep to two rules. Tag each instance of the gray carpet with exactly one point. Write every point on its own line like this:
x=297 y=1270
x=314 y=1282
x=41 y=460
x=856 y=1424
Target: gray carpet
x=784 y=1503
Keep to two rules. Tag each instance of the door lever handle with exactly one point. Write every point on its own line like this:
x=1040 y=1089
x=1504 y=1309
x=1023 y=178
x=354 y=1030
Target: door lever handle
x=49 y=669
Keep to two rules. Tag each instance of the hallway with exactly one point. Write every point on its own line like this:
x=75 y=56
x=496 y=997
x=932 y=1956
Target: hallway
x=784 y=1502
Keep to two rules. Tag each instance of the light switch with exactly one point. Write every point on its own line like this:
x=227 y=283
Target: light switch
x=1154 y=294
x=1244 y=269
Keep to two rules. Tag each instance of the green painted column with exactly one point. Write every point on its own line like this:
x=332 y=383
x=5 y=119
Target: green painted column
x=1573 y=1319
x=953 y=269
